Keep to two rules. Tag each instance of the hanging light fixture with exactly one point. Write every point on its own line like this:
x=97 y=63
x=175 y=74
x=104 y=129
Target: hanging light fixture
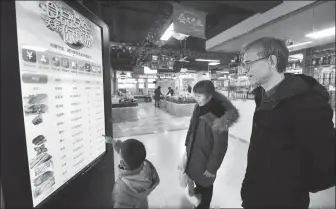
x=122 y=75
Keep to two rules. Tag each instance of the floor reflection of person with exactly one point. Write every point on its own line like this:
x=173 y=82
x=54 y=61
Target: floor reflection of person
x=292 y=145
x=157 y=96
x=205 y=146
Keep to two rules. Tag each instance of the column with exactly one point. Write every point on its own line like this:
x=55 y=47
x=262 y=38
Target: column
x=307 y=58
x=115 y=81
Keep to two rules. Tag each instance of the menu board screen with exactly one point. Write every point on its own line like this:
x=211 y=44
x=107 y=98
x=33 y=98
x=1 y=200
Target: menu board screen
x=60 y=55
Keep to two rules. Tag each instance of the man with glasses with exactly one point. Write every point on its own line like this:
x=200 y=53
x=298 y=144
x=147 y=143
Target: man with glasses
x=292 y=145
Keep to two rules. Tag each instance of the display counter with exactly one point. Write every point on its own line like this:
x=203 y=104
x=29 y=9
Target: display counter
x=178 y=109
x=143 y=98
x=124 y=110
x=121 y=105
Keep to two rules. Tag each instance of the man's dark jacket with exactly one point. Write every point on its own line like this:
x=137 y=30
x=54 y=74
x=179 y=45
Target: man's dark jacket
x=292 y=145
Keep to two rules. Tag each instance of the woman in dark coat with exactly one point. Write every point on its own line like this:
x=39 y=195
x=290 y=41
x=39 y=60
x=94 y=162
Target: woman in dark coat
x=157 y=96
x=207 y=139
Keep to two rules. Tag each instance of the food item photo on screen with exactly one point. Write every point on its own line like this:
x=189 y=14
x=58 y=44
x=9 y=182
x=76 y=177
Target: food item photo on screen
x=43 y=183
x=36 y=109
x=37 y=120
x=42 y=178
x=41 y=149
x=42 y=158
x=37 y=99
x=40 y=139
x=44 y=167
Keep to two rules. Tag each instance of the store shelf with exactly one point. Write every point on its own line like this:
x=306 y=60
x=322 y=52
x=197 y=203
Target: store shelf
x=322 y=65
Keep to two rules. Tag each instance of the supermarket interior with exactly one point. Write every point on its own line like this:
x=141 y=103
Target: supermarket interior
x=93 y=69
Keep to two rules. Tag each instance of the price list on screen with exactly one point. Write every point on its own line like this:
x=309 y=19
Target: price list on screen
x=75 y=115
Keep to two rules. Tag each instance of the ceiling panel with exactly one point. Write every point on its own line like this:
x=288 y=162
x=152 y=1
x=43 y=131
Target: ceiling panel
x=255 y=6
x=294 y=27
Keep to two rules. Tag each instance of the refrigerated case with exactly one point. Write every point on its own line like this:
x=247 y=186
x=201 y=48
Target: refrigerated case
x=318 y=62
x=295 y=64
x=322 y=67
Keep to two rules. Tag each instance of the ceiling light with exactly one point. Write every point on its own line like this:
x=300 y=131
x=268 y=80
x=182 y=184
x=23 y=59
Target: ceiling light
x=297 y=56
x=183 y=70
x=205 y=60
x=180 y=36
x=322 y=33
x=214 y=63
x=299 y=44
x=168 y=33
x=147 y=70
x=122 y=75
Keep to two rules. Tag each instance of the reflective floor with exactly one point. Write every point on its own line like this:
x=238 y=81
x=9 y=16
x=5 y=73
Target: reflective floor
x=149 y=120
x=165 y=148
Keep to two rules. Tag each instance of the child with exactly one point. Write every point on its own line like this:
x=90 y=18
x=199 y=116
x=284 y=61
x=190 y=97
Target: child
x=137 y=176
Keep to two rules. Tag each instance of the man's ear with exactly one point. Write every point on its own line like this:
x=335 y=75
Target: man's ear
x=273 y=60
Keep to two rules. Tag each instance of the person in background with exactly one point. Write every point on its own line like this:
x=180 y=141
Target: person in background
x=170 y=91
x=137 y=176
x=207 y=140
x=157 y=96
x=189 y=89
x=292 y=145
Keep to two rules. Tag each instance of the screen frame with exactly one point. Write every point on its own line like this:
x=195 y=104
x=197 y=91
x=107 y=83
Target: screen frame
x=12 y=112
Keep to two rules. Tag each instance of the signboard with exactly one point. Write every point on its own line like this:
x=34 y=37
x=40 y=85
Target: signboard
x=189 y=21
x=60 y=56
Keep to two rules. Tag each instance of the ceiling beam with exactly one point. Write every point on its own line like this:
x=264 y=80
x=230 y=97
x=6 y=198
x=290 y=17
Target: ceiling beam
x=226 y=23
x=224 y=57
x=254 y=6
x=139 y=10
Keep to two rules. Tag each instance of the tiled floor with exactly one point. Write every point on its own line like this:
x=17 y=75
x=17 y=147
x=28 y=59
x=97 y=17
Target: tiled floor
x=165 y=149
x=150 y=120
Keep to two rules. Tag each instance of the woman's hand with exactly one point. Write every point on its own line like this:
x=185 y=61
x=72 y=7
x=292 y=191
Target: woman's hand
x=209 y=175
x=219 y=127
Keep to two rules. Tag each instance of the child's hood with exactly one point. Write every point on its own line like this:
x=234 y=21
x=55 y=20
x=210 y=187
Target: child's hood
x=141 y=182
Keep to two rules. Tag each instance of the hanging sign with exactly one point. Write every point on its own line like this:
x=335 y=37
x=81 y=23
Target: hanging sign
x=189 y=21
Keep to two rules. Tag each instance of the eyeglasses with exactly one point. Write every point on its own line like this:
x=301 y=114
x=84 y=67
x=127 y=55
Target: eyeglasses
x=247 y=66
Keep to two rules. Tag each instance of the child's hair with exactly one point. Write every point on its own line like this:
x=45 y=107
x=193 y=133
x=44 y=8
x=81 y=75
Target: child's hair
x=133 y=153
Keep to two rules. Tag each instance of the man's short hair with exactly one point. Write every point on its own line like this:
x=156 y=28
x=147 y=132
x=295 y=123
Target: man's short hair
x=268 y=46
x=205 y=87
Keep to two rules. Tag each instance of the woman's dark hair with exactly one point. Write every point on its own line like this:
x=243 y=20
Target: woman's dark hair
x=205 y=87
